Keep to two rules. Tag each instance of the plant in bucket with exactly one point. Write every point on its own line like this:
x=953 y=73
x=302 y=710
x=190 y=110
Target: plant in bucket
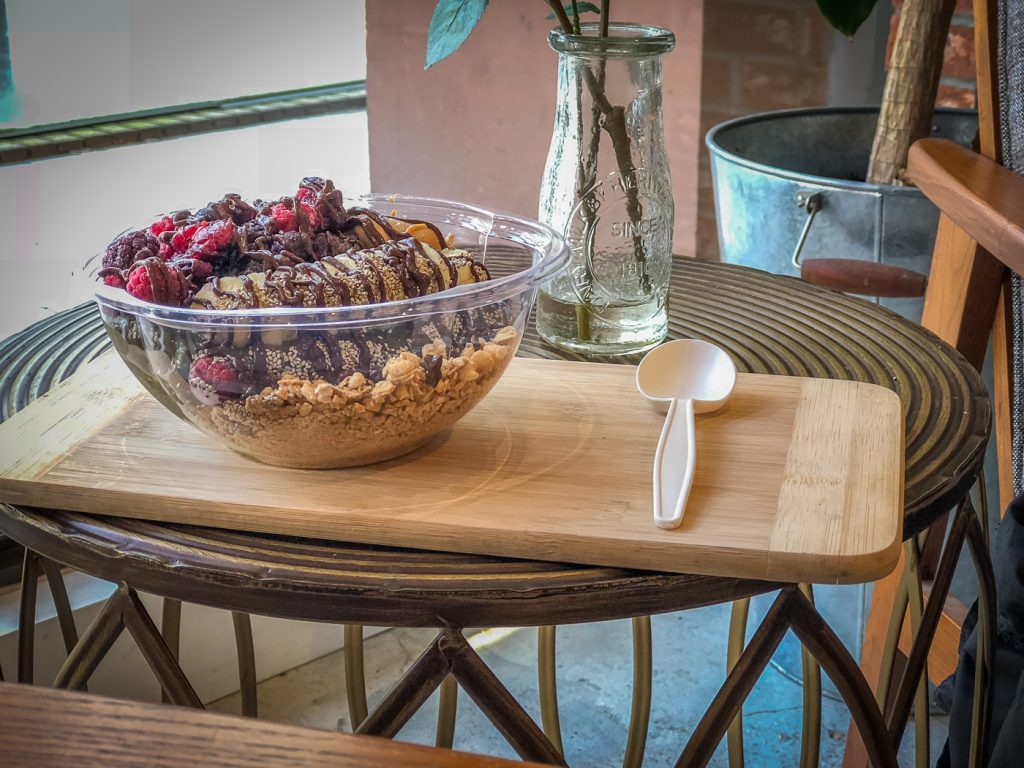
x=606 y=184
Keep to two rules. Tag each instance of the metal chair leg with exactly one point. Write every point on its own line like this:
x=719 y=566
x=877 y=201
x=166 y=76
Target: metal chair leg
x=495 y=701
x=738 y=683
x=408 y=694
x=447 y=709
x=246 y=653
x=737 y=640
x=61 y=603
x=892 y=639
x=791 y=609
x=124 y=611
x=547 y=684
x=33 y=566
x=922 y=744
x=170 y=629
x=140 y=626
x=97 y=639
x=983 y=503
x=451 y=654
x=976 y=541
x=640 y=708
x=810 y=734
x=817 y=636
x=355 y=680
x=30 y=570
x=898 y=714
x=811 y=731
x=640 y=711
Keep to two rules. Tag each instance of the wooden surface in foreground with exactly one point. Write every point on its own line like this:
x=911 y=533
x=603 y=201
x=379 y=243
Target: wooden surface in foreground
x=44 y=728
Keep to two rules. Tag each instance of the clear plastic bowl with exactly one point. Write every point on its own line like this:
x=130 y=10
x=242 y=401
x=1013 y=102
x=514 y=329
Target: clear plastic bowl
x=344 y=386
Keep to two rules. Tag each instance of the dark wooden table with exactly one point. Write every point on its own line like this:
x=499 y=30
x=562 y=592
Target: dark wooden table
x=768 y=324
x=44 y=728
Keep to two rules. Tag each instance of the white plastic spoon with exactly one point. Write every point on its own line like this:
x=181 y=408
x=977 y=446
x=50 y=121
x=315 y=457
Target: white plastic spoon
x=688 y=376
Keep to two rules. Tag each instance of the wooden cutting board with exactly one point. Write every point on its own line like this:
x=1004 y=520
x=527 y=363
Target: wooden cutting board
x=797 y=480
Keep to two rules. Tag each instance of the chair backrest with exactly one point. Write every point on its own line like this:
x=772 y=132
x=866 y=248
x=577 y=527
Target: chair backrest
x=974 y=290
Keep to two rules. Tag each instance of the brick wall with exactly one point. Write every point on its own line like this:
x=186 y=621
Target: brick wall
x=957 y=88
x=758 y=55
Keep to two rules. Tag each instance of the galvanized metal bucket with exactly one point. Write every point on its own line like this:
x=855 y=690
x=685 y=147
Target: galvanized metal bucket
x=789 y=186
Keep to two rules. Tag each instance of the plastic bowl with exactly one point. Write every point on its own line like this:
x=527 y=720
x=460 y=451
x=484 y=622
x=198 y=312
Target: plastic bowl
x=344 y=386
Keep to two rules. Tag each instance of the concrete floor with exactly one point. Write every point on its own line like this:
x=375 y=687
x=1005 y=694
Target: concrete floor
x=595 y=676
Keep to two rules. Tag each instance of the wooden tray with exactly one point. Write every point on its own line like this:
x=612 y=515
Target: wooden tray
x=797 y=480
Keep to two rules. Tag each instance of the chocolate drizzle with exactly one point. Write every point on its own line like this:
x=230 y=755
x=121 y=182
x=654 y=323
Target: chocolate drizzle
x=323 y=255
x=395 y=269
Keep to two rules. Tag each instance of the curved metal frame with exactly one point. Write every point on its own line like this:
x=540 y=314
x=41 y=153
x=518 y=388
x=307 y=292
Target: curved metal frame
x=810 y=732
x=170 y=630
x=35 y=565
x=737 y=640
x=791 y=610
x=246 y=654
x=447 y=709
x=965 y=527
x=915 y=604
x=355 y=681
x=977 y=542
x=640 y=707
x=547 y=685
x=123 y=610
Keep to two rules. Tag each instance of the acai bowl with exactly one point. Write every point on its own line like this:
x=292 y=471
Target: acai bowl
x=322 y=333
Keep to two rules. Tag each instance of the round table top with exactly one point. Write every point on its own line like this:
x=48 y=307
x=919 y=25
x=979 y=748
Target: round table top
x=767 y=323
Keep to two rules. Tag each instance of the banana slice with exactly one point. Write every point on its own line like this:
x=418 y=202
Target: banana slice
x=390 y=271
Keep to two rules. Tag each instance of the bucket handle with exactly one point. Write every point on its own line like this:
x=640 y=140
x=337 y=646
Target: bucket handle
x=811 y=202
x=866 y=278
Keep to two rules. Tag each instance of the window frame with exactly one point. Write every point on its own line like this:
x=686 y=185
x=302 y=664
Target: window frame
x=22 y=145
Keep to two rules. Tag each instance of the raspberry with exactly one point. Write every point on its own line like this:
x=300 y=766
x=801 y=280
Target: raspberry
x=212 y=239
x=286 y=220
x=182 y=239
x=129 y=248
x=157 y=281
x=165 y=224
x=213 y=379
x=114 y=280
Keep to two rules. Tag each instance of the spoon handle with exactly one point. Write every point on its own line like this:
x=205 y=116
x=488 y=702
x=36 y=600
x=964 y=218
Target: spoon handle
x=674 y=463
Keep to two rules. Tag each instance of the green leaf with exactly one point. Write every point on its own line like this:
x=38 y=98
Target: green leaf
x=450 y=25
x=584 y=8
x=846 y=15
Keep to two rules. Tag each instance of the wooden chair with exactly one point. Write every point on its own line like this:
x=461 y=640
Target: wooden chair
x=973 y=294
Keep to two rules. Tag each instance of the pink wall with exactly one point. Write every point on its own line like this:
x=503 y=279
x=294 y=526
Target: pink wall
x=476 y=127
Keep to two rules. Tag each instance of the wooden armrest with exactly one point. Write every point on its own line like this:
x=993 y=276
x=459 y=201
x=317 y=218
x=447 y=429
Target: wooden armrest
x=980 y=196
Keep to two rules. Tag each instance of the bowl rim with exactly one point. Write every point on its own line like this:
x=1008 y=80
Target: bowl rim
x=551 y=249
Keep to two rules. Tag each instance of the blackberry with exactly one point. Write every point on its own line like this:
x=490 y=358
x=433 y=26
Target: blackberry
x=130 y=247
